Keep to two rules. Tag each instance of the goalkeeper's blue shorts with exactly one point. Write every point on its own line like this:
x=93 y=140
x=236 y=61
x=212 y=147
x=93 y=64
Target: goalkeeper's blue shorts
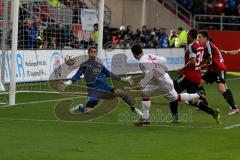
x=94 y=94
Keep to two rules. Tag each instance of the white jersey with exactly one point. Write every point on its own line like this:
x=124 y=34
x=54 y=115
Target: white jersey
x=156 y=79
x=153 y=68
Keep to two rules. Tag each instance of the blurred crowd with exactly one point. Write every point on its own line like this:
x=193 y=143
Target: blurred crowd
x=212 y=7
x=32 y=35
x=45 y=33
x=124 y=37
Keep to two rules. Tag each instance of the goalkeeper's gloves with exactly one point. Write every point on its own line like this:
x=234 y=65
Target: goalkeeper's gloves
x=128 y=80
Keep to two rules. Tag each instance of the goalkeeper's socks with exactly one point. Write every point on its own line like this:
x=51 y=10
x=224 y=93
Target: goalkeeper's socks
x=127 y=100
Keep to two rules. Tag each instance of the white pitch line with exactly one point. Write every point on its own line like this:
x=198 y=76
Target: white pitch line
x=108 y=123
x=52 y=100
x=232 y=126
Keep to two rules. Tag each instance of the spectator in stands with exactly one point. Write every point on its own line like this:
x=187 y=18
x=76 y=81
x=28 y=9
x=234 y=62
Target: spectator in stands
x=116 y=39
x=39 y=34
x=145 y=33
x=66 y=36
x=172 y=38
x=152 y=42
x=188 y=4
x=181 y=40
x=163 y=39
x=129 y=34
x=232 y=5
x=210 y=4
x=137 y=36
x=95 y=33
x=122 y=37
x=38 y=26
x=219 y=7
x=52 y=36
x=107 y=36
x=31 y=34
x=53 y=42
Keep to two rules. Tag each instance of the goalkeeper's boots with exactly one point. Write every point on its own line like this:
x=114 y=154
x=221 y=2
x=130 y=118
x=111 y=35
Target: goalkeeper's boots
x=78 y=108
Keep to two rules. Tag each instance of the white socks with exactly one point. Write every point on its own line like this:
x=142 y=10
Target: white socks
x=145 y=108
x=189 y=97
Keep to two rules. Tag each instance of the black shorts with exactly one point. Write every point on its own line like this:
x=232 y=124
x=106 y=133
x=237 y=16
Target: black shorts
x=211 y=77
x=181 y=84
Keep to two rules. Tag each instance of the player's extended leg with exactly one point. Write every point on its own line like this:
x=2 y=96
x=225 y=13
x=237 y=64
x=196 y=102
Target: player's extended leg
x=127 y=100
x=227 y=94
x=91 y=103
x=200 y=103
x=174 y=98
x=202 y=90
x=146 y=104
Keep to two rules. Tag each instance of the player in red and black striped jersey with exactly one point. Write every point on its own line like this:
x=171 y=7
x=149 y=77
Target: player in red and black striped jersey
x=216 y=71
x=191 y=76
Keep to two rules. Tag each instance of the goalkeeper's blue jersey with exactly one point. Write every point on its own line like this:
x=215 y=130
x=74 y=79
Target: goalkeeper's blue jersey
x=94 y=74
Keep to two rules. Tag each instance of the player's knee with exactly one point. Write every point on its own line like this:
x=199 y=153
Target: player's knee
x=221 y=88
x=174 y=99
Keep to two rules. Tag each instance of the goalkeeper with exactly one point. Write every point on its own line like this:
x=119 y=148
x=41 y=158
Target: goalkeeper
x=97 y=87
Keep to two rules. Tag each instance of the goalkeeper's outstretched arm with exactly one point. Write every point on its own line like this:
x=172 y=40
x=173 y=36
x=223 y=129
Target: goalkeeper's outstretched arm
x=107 y=73
x=63 y=85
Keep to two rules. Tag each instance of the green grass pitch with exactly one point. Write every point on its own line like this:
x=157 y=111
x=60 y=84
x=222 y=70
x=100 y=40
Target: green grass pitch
x=30 y=130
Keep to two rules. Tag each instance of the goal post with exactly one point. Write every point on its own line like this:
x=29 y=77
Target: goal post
x=12 y=94
x=100 y=29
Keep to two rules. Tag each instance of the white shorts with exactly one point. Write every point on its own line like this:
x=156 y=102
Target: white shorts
x=164 y=86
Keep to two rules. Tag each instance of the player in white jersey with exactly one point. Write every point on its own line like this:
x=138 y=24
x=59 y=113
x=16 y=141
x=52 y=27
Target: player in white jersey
x=156 y=81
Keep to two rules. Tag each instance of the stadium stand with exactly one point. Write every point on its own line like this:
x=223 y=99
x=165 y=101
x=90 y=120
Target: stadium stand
x=57 y=24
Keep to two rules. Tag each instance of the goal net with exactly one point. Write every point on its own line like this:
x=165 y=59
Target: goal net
x=49 y=30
